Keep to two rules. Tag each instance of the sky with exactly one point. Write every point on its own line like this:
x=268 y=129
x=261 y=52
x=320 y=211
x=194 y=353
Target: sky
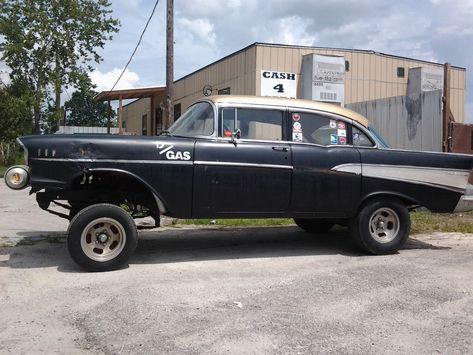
x=205 y=31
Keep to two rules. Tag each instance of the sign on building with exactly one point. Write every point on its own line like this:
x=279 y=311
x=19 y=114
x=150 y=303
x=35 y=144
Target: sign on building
x=323 y=78
x=279 y=84
x=424 y=79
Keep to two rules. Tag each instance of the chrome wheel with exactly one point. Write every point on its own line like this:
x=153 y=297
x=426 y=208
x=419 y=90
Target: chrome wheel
x=103 y=239
x=384 y=225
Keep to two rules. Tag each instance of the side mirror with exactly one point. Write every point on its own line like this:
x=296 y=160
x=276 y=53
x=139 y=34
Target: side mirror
x=235 y=135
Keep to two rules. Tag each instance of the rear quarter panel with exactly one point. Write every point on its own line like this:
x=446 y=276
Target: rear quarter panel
x=434 y=180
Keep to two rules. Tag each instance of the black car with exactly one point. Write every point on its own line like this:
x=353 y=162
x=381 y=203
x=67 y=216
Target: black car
x=232 y=156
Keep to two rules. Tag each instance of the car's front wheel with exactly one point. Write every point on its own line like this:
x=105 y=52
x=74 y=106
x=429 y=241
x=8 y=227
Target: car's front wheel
x=101 y=237
x=382 y=226
x=314 y=225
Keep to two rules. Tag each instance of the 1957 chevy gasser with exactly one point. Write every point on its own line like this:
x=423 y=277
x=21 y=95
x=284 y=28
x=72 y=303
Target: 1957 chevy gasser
x=233 y=156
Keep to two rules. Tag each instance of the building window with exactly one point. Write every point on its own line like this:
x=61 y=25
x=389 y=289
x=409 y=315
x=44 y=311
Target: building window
x=224 y=91
x=177 y=112
x=400 y=72
x=347 y=65
x=144 y=125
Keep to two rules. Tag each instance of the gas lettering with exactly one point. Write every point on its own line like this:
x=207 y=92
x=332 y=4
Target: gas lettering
x=170 y=155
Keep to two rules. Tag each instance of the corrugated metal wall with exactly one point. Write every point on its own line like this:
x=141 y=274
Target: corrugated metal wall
x=406 y=123
x=371 y=75
x=236 y=72
x=133 y=114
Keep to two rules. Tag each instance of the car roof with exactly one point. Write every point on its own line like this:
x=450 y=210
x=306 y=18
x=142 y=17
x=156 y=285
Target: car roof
x=293 y=103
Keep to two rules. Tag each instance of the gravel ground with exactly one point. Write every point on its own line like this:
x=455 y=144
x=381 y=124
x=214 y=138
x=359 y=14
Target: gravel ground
x=231 y=291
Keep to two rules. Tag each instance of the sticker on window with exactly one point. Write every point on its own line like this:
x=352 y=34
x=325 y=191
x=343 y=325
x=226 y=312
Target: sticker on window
x=333 y=139
x=342 y=132
x=297 y=136
x=333 y=124
x=342 y=140
x=341 y=125
x=297 y=127
x=296 y=116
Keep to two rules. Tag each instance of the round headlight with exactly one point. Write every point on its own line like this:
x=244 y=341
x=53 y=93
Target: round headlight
x=17 y=177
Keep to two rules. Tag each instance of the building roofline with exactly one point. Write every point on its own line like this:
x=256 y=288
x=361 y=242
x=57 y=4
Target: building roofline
x=367 y=51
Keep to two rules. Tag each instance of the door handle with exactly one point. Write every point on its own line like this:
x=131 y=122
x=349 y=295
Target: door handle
x=281 y=149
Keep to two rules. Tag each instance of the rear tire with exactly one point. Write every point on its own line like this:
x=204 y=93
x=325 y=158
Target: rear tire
x=314 y=225
x=101 y=237
x=381 y=227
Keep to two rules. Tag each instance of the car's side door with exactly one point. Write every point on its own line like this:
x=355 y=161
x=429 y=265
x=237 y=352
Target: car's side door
x=322 y=143
x=248 y=175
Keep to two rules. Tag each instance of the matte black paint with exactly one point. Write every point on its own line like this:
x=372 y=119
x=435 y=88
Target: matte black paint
x=244 y=179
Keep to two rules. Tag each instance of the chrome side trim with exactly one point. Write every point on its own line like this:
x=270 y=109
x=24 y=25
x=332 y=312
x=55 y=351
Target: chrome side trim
x=168 y=162
x=452 y=179
x=348 y=168
x=228 y=163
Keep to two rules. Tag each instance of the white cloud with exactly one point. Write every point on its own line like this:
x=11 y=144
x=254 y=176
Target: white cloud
x=200 y=27
x=105 y=81
x=293 y=30
x=205 y=31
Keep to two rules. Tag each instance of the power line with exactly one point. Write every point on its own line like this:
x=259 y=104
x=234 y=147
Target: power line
x=136 y=47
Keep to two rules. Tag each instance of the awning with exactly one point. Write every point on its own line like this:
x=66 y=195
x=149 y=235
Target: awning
x=127 y=94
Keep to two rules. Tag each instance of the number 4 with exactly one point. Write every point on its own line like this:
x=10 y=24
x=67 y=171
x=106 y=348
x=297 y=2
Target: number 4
x=279 y=88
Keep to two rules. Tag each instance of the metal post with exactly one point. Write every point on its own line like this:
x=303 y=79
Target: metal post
x=169 y=117
x=109 y=113
x=120 y=108
x=446 y=108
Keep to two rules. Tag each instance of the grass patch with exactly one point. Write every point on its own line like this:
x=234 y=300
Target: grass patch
x=422 y=222
x=427 y=222
x=236 y=222
x=20 y=160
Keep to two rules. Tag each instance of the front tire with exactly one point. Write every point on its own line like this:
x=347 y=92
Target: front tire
x=101 y=237
x=381 y=227
x=313 y=225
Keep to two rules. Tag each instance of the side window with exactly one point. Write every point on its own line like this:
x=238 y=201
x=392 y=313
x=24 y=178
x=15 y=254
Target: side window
x=360 y=139
x=197 y=121
x=228 y=119
x=318 y=129
x=255 y=124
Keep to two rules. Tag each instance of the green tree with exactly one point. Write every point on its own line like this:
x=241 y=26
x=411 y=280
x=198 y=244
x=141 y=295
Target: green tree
x=51 y=44
x=83 y=110
x=16 y=111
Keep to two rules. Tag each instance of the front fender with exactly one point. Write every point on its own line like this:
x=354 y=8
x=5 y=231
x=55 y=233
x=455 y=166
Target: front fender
x=157 y=196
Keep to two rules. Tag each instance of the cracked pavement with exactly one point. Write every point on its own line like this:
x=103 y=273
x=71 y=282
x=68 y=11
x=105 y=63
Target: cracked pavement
x=220 y=290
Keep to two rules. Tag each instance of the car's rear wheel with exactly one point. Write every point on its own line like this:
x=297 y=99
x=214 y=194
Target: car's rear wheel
x=101 y=237
x=314 y=225
x=382 y=226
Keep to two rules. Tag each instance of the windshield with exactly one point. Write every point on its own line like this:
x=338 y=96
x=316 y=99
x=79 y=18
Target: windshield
x=378 y=137
x=197 y=121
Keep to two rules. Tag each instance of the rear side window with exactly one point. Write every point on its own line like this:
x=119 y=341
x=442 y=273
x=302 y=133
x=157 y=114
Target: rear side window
x=318 y=129
x=360 y=139
x=255 y=124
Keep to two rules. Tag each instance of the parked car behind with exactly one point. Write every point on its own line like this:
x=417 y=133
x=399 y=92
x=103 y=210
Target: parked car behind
x=240 y=156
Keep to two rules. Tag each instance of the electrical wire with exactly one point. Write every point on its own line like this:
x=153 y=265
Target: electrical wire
x=136 y=47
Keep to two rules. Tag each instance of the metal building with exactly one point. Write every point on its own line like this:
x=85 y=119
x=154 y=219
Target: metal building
x=280 y=70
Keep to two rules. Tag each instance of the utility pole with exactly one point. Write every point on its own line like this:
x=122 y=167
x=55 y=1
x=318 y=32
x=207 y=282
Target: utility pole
x=446 y=113
x=169 y=117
